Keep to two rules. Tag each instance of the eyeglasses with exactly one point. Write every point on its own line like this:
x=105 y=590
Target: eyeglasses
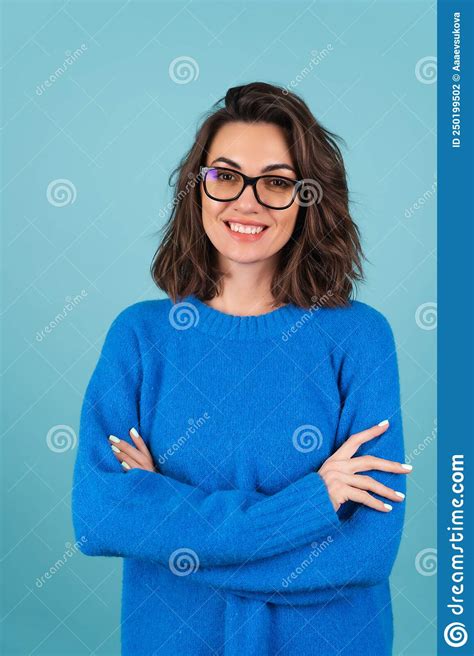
x=273 y=191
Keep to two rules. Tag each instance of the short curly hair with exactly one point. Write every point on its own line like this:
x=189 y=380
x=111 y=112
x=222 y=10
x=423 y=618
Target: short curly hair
x=323 y=257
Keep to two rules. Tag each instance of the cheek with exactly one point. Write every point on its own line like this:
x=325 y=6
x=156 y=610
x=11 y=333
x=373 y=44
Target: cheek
x=285 y=223
x=210 y=212
x=212 y=226
x=210 y=208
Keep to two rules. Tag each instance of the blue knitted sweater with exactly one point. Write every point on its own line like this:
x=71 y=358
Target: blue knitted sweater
x=233 y=547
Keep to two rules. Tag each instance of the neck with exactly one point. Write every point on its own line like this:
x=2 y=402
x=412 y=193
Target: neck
x=246 y=289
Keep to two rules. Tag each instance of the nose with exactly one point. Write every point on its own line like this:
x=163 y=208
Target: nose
x=247 y=202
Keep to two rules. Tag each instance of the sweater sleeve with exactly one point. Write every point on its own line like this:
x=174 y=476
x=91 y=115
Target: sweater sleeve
x=362 y=550
x=145 y=514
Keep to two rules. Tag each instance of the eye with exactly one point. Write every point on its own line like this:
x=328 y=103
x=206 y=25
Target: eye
x=279 y=183
x=225 y=176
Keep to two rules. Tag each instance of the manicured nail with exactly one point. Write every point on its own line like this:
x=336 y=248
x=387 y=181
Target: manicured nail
x=382 y=423
x=125 y=464
x=134 y=432
x=400 y=494
x=409 y=467
x=387 y=506
x=113 y=438
x=114 y=448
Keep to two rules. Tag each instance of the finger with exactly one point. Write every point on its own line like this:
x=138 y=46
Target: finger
x=131 y=464
x=141 y=445
x=367 y=483
x=127 y=449
x=353 y=442
x=366 y=463
x=135 y=464
x=121 y=456
x=127 y=462
x=139 y=442
x=368 y=500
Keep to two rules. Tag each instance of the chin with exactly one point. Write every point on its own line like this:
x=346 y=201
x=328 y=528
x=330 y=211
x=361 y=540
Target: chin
x=244 y=253
x=245 y=256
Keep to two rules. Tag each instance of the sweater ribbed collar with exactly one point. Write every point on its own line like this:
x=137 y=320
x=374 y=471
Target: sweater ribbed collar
x=274 y=324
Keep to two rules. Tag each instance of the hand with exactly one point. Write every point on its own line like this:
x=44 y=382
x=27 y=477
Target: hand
x=342 y=481
x=131 y=457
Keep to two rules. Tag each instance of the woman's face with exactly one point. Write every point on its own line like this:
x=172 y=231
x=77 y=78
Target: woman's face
x=253 y=149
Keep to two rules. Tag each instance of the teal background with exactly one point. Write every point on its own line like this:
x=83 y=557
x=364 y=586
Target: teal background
x=114 y=125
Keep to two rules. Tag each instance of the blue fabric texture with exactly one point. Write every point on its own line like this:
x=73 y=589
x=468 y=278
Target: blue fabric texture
x=233 y=547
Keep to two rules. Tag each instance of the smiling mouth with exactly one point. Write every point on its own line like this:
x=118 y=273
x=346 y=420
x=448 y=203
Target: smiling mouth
x=245 y=229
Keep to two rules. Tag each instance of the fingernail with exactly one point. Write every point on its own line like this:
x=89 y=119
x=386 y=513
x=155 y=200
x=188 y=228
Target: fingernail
x=400 y=494
x=134 y=432
x=387 y=506
x=113 y=438
x=409 y=467
x=125 y=464
x=382 y=423
x=114 y=448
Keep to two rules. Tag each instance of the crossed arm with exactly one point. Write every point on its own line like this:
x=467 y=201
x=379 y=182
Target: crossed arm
x=142 y=514
x=282 y=547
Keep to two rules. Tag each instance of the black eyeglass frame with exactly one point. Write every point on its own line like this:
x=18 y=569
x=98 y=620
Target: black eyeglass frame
x=249 y=180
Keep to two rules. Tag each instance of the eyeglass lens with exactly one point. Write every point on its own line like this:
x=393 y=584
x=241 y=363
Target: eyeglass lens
x=223 y=184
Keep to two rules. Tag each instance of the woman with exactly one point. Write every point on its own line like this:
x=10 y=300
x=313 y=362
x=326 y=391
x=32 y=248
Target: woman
x=226 y=429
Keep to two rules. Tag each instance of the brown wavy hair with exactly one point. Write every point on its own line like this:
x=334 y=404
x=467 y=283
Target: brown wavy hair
x=323 y=257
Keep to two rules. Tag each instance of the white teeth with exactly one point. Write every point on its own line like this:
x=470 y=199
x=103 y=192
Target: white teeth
x=248 y=230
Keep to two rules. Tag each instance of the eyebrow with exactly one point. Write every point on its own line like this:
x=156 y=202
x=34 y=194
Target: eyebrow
x=269 y=167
